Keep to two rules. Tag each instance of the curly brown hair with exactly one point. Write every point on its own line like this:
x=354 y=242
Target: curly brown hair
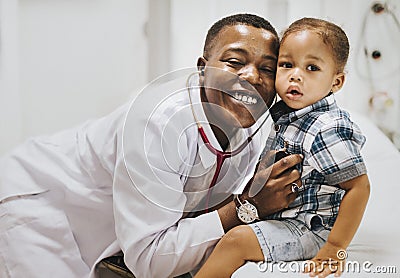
x=331 y=34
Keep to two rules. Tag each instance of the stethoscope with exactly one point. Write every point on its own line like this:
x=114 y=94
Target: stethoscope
x=221 y=155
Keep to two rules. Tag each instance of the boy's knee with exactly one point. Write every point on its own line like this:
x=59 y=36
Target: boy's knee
x=237 y=236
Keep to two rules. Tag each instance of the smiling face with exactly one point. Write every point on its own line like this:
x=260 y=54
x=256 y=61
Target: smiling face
x=307 y=71
x=239 y=76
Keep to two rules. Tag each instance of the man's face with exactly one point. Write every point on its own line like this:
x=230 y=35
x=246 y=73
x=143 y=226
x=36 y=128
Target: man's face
x=239 y=76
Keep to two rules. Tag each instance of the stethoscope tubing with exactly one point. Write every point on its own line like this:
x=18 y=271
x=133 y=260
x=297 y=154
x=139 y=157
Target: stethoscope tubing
x=220 y=155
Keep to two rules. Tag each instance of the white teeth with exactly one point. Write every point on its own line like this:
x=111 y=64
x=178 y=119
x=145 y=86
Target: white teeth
x=245 y=99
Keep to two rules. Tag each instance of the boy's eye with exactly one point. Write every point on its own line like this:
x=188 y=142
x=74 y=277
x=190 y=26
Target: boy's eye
x=312 y=68
x=285 y=65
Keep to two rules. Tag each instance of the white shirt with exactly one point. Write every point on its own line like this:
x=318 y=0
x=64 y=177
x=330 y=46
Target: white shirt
x=139 y=163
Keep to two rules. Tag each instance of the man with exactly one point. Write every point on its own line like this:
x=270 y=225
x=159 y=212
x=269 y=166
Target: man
x=150 y=170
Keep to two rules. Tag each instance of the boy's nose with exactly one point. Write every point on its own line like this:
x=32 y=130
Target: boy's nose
x=295 y=76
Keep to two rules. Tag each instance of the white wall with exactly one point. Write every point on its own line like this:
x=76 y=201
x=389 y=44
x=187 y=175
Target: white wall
x=78 y=59
x=190 y=20
x=62 y=61
x=72 y=60
x=10 y=116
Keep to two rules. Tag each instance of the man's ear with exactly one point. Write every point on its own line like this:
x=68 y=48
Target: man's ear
x=338 y=82
x=201 y=63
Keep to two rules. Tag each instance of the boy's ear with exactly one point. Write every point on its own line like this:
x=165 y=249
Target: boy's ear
x=338 y=82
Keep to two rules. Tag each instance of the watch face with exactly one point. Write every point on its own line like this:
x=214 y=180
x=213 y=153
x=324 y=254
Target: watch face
x=247 y=213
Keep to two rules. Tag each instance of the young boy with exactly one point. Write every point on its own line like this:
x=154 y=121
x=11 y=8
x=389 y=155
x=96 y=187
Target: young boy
x=307 y=120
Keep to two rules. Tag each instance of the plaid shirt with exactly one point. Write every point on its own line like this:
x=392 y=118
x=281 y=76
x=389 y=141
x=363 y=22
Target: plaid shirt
x=330 y=143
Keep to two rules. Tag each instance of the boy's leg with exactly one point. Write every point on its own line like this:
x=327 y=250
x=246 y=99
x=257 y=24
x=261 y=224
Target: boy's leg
x=36 y=239
x=237 y=246
x=289 y=239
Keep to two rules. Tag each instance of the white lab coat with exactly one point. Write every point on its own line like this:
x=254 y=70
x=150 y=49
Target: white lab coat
x=128 y=170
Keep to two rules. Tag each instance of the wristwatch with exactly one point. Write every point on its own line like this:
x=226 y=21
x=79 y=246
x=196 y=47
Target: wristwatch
x=246 y=212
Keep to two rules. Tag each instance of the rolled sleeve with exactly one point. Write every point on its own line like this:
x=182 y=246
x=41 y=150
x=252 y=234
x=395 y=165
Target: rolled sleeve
x=335 y=151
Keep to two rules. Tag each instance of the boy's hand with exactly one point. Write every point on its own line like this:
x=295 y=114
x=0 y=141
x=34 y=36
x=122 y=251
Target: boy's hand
x=330 y=259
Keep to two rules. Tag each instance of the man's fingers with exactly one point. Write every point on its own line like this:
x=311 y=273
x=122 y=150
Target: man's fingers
x=279 y=184
x=290 y=198
x=255 y=188
x=288 y=182
x=288 y=178
x=285 y=163
x=295 y=186
x=267 y=160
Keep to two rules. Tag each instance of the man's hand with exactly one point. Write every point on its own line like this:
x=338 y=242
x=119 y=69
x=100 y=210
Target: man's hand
x=330 y=259
x=271 y=188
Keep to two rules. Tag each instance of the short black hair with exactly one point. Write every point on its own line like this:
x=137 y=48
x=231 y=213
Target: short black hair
x=237 y=19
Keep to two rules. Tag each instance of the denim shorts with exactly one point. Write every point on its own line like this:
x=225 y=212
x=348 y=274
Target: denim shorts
x=290 y=239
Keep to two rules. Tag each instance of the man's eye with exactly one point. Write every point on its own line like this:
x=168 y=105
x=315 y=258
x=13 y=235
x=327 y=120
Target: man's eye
x=235 y=62
x=268 y=70
x=312 y=68
x=285 y=65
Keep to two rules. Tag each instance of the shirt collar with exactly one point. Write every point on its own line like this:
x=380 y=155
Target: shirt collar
x=281 y=112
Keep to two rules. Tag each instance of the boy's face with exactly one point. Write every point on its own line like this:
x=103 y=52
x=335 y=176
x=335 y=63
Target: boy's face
x=306 y=70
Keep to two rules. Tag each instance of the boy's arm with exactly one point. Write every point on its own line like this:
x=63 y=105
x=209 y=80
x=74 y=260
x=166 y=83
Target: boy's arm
x=350 y=214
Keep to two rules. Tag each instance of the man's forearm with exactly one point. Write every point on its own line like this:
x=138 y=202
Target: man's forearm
x=228 y=216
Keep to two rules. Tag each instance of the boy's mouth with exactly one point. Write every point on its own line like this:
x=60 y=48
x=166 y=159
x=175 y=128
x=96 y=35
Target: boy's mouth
x=294 y=92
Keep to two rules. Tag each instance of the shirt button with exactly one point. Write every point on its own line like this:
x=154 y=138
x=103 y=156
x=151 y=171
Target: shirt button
x=304 y=229
x=276 y=127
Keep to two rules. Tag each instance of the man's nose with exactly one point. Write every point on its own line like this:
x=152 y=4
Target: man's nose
x=251 y=74
x=295 y=75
